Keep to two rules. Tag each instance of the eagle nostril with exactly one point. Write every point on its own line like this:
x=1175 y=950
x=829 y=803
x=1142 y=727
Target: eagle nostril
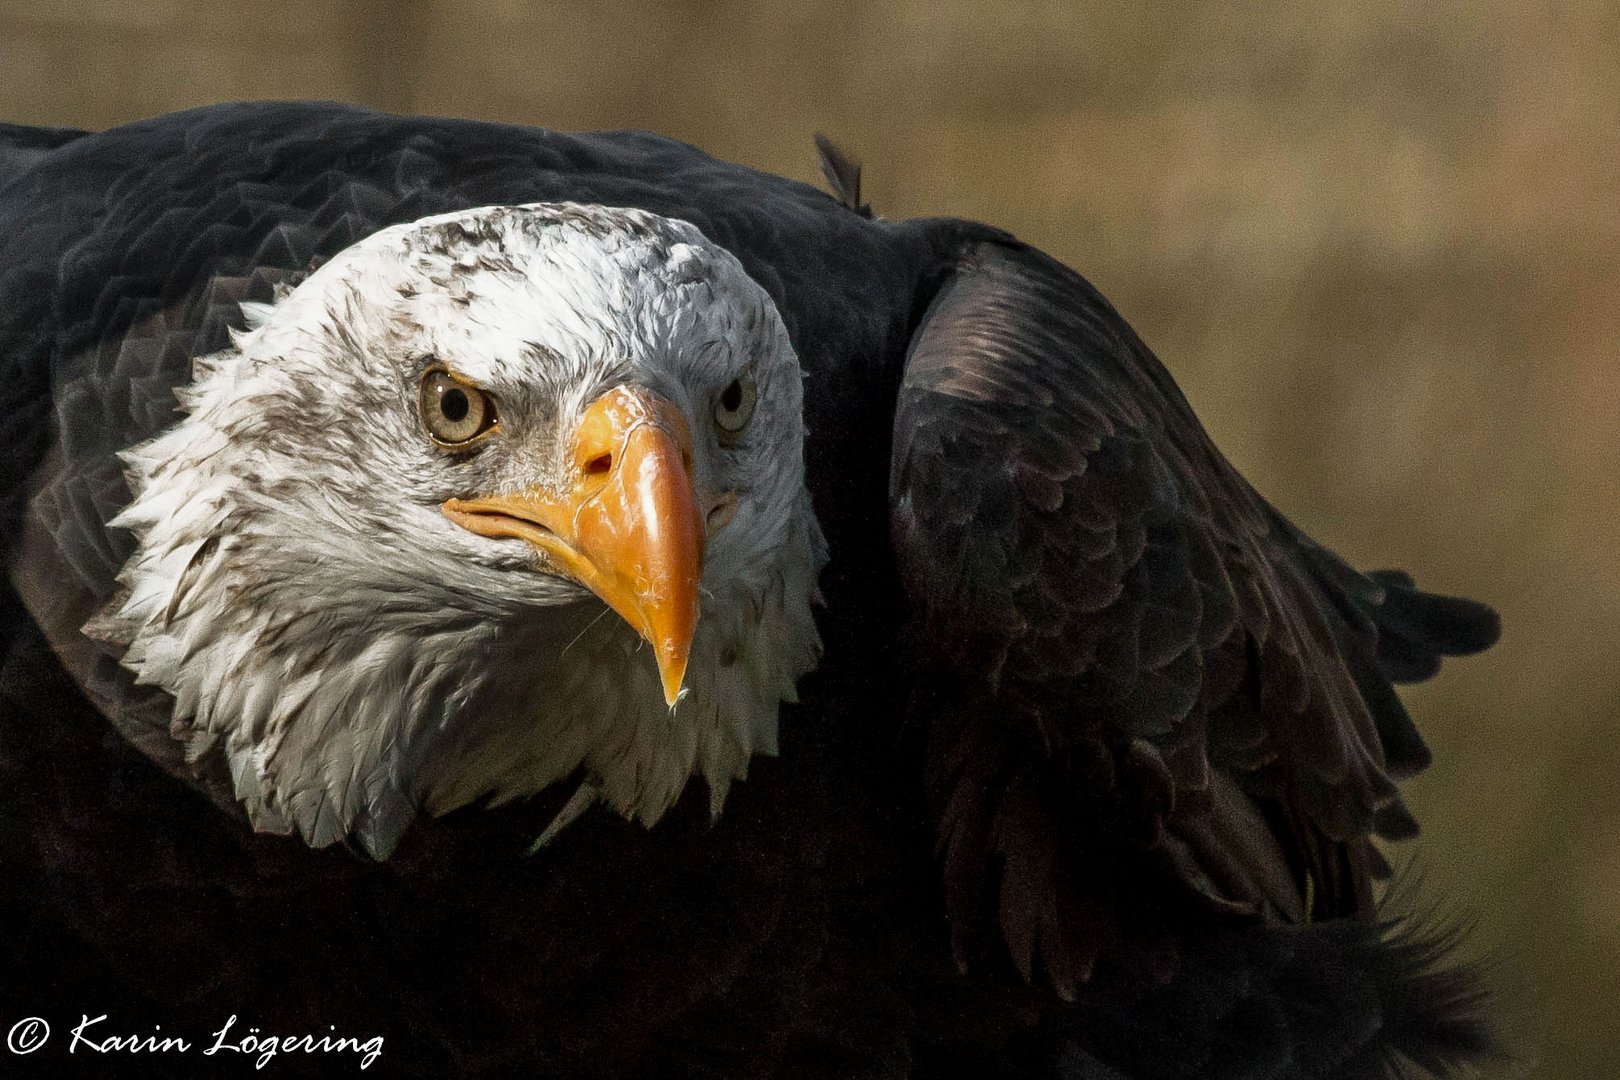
x=601 y=463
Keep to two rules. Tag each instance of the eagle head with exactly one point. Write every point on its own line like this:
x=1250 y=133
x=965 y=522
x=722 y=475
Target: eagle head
x=488 y=499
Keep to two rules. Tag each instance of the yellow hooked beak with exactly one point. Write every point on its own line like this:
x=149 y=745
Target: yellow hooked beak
x=624 y=523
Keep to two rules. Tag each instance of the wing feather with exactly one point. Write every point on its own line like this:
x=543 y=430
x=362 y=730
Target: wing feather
x=1129 y=665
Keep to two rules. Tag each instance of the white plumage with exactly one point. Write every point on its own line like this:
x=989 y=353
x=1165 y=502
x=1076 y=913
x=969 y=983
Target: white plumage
x=355 y=654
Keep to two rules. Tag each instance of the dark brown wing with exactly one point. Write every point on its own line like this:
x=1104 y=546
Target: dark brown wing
x=1131 y=669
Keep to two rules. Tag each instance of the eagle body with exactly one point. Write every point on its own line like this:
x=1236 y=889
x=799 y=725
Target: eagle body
x=1075 y=774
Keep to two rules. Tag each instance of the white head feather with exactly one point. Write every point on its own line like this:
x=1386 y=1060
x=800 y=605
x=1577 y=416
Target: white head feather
x=354 y=654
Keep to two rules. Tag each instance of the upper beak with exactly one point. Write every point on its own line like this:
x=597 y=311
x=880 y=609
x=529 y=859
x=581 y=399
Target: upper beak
x=624 y=523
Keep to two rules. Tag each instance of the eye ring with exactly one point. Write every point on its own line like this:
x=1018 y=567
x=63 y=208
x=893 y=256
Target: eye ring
x=734 y=405
x=454 y=412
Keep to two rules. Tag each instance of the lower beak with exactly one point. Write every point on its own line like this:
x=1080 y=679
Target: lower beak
x=625 y=524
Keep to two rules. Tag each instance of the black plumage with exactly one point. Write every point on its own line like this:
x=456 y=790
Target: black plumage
x=1086 y=784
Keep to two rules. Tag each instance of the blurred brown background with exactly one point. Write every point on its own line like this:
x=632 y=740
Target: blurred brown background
x=1379 y=247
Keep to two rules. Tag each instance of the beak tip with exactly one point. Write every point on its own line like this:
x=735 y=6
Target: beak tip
x=673 y=674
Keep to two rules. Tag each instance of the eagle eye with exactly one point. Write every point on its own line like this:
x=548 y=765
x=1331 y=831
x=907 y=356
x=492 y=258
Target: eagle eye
x=735 y=405
x=454 y=412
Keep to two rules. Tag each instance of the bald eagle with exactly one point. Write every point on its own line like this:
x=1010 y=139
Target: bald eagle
x=571 y=606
